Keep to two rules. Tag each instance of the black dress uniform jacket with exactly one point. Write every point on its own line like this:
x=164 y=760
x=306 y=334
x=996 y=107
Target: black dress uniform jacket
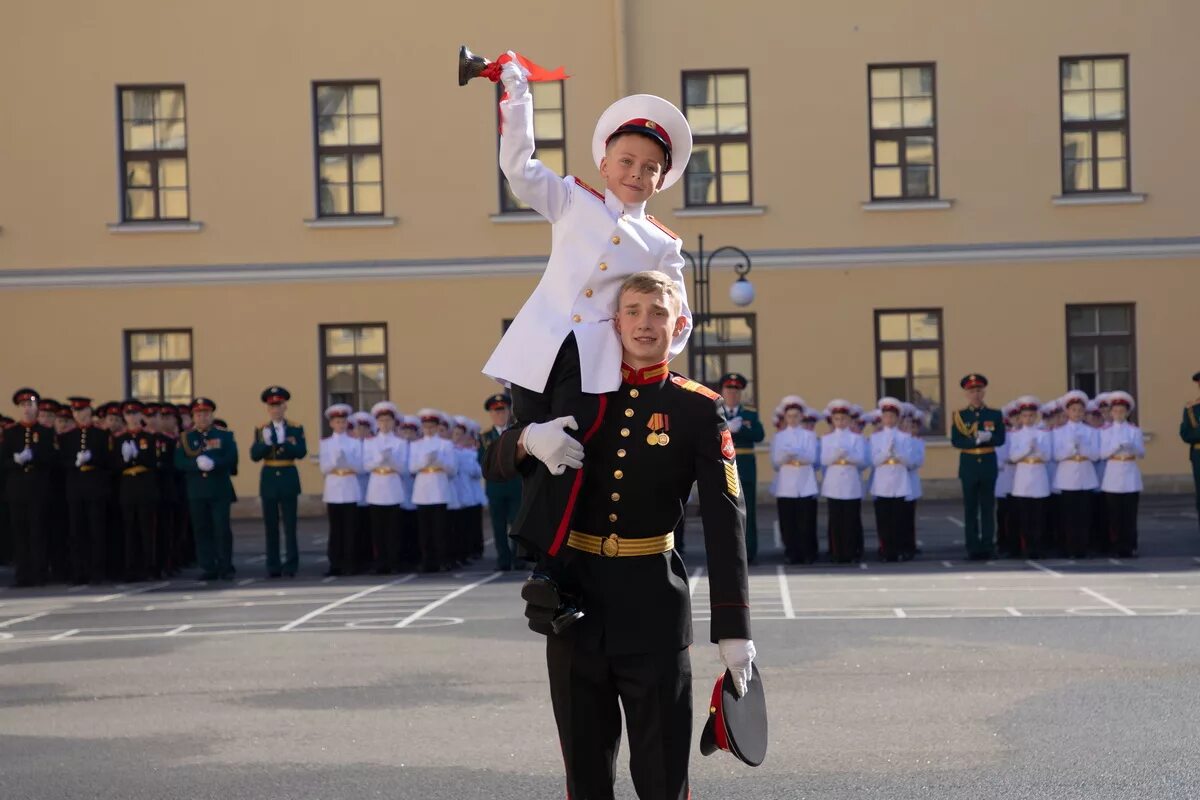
x=89 y=481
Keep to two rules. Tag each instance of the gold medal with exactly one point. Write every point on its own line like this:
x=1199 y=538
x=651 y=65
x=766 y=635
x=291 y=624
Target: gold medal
x=652 y=439
x=663 y=439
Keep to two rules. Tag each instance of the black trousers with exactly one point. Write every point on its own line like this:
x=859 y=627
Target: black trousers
x=475 y=518
x=1028 y=517
x=433 y=530
x=908 y=539
x=589 y=690
x=410 y=539
x=140 y=520
x=88 y=518
x=889 y=526
x=845 y=530
x=28 y=517
x=459 y=535
x=1007 y=543
x=1122 y=521
x=1052 y=539
x=1075 y=521
x=343 y=522
x=798 y=528
x=1100 y=533
x=385 y=537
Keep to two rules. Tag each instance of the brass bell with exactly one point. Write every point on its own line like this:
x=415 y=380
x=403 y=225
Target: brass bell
x=469 y=65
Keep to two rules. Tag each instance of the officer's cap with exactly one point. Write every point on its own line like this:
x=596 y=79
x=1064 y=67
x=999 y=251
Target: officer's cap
x=385 y=407
x=411 y=421
x=275 y=394
x=737 y=725
x=203 y=404
x=654 y=118
x=1074 y=396
x=46 y=404
x=734 y=379
x=183 y=408
x=462 y=422
x=1196 y=377
x=497 y=401
x=63 y=412
x=21 y=395
x=890 y=404
x=132 y=406
x=973 y=380
x=791 y=401
x=1120 y=398
x=78 y=402
x=338 y=410
x=152 y=409
x=837 y=406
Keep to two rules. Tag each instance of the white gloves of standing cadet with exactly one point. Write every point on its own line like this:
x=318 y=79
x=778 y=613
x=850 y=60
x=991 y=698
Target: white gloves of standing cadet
x=550 y=443
x=267 y=434
x=83 y=457
x=736 y=655
x=735 y=424
x=983 y=436
x=129 y=451
x=23 y=457
x=204 y=463
x=514 y=77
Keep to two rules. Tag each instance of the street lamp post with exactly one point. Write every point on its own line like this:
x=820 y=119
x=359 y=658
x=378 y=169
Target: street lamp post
x=741 y=293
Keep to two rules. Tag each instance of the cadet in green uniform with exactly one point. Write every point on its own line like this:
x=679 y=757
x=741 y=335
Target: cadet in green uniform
x=504 y=497
x=1189 y=431
x=278 y=444
x=977 y=432
x=747 y=431
x=208 y=456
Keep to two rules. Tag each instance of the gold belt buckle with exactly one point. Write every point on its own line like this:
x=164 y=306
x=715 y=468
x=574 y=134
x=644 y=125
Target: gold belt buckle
x=611 y=546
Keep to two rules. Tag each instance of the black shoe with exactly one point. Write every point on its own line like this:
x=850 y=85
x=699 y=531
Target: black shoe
x=540 y=591
x=289 y=573
x=274 y=574
x=208 y=576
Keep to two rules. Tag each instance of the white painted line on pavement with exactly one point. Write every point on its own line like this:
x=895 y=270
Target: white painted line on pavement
x=1012 y=612
x=1112 y=603
x=256 y=560
x=694 y=581
x=785 y=593
x=1046 y=570
x=246 y=581
x=948 y=564
x=899 y=612
x=19 y=620
x=778 y=537
x=348 y=598
x=74 y=589
x=416 y=615
x=957 y=521
x=1196 y=559
x=64 y=634
x=1116 y=562
x=131 y=592
x=1188 y=514
x=177 y=631
x=330 y=579
x=863 y=565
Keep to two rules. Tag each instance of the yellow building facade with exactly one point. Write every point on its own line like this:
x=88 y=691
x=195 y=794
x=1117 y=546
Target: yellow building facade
x=211 y=199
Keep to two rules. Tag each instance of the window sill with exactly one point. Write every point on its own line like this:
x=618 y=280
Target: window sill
x=516 y=217
x=352 y=222
x=1099 y=199
x=155 y=227
x=720 y=211
x=907 y=205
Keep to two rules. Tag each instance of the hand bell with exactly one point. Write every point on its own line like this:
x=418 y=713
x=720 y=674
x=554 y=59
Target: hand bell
x=469 y=65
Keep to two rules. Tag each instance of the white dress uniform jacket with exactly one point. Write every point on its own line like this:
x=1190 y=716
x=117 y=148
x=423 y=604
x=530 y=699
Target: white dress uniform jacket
x=597 y=242
x=1004 y=473
x=432 y=462
x=1076 y=446
x=468 y=476
x=843 y=454
x=1031 y=451
x=1121 y=445
x=386 y=458
x=915 y=462
x=794 y=452
x=890 y=452
x=341 y=461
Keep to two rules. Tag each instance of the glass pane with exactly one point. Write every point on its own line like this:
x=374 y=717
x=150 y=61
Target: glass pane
x=138 y=103
x=1077 y=106
x=547 y=94
x=894 y=387
x=333 y=169
x=366 y=168
x=887 y=152
x=893 y=363
x=919 y=149
x=371 y=377
x=364 y=130
x=925 y=364
x=364 y=99
x=918 y=182
x=885 y=114
x=887 y=182
x=554 y=159
x=1110 y=74
x=169 y=104
x=893 y=327
x=370 y=341
x=1115 y=357
x=1083 y=358
x=885 y=83
x=735 y=188
x=732 y=119
x=144 y=384
x=1077 y=144
x=139 y=135
x=1076 y=75
x=137 y=173
x=918 y=113
x=139 y=204
x=1081 y=321
x=176 y=346
x=1116 y=380
x=701 y=189
x=735 y=158
x=339 y=341
x=1114 y=319
x=730 y=331
x=335 y=199
x=331 y=100
x=339 y=383
x=368 y=198
x=699 y=90
x=547 y=124
x=927 y=395
x=924 y=327
x=731 y=88
x=1077 y=176
x=170 y=135
x=1110 y=105
x=172 y=173
x=918 y=82
x=145 y=347
x=1110 y=144
x=173 y=204
x=177 y=384
x=703 y=119
x=1110 y=174
x=1084 y=381
x=332 y=131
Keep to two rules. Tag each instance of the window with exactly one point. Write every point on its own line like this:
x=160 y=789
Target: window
x=349 y=150
x=908 y=361
x=1101 y=351
x=154 y=176
x=725 y=343
x=1095 y=124
x=903 y=132
x=717 y=105
x=158 y=366
x=549 y=132
x=354 y=365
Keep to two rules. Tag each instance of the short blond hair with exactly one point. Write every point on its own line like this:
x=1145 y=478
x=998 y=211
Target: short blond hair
x=652 y=282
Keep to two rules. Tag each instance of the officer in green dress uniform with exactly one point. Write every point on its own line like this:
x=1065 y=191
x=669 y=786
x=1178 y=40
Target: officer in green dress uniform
x=1189 y=431
x=747 y=430
x=504 y=497
x=977 y=432
x=208 y=457
x=278 y=445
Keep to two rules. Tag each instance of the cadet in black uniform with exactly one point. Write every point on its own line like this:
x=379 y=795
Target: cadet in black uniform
x=5 y=522
x=137 y=455
x=84 y=456
x=28 y=454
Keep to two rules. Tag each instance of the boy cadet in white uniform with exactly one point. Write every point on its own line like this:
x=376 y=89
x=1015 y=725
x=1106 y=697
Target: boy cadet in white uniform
x=1076 y=447
x=794 y=452
x=914 y=417
x=1030 y=451
x=431 y=460
x=843 y=455
x=385 y=457
x=1121 y=445
x=1007 y=545
x=340 y=458
x=889 y=482
x=560 y=354
x=410 y=550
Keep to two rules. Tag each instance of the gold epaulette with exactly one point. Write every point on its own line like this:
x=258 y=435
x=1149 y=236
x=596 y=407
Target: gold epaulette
x=694 y=386
x=963 y=428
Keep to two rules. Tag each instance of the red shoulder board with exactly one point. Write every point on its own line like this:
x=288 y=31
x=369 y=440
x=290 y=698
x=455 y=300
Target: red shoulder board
x=693 y=386
x=727 y=448
x=663 y=228
x=590 y=189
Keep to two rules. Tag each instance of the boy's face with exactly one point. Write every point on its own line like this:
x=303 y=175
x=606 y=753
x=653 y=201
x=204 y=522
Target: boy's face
x=1119 y=413
x=632 y=168
x=1029 y=417
x=792 y=417
x=840 y=421
x=647 y=323
x=336 y=424
x=429 y=428
x=386 y=422
x=890 y=418
x=1075 y=412
x=83 y=417
x=63 y=424
x=29 y=410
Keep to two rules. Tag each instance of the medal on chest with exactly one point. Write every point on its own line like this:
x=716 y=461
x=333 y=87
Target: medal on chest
x=658 y=424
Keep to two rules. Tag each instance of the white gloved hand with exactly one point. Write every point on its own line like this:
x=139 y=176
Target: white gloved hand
x=267 y=435
x=840 y=453
x=204 y=463
x=514 y=76
x=983 y=436
x=128 y=451
x=430 y=459
x=550 y=443
x=23 y=457
x=736 y=655
x=83 y=457
x=735 y=424
x=340 y=461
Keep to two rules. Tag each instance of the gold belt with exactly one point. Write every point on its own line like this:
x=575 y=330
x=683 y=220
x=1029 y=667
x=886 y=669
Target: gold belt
x=979 y=451
x=613 y=545
x=432 y=469
x=343 y=472
x=795 y=462
x=1032 y=460
x=841 y=462
x=892 y=461
x=1123 y=458
x=86 y=468
x=282 y=462
x=1078 y=458
x=744 y=451
x=383 y=471
x=131 y=471
x=1196 y=446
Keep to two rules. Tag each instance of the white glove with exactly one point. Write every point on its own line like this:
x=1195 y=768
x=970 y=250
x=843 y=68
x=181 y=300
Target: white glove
x=514 y=76
x=128 y=451
x=840 y=453
x=83 y=457
x=23 y=457
x=267 y=434
x=204 y=463
x=430 y=459
x=735 y=424
x=340 y=462
x=983 y=436
x=736 y=655
x=550 y=443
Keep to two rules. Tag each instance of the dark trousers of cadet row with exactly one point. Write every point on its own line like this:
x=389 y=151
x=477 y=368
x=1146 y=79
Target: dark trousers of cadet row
x=390 y=539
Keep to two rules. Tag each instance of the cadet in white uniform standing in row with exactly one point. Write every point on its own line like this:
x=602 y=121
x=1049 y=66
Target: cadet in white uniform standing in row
x=1122 y=444
x=340 y=459
x=794 y=454
x=843 y=455
x=385 y=457
x=432 y=461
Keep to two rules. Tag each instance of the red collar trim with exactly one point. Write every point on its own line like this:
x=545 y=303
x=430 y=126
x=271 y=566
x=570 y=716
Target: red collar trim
x=644 y=376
